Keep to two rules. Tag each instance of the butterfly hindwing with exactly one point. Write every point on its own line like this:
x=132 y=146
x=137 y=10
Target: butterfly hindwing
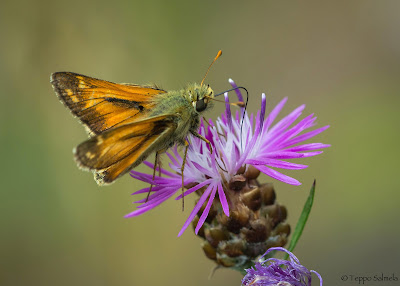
x=103 y=105
x=120 y=149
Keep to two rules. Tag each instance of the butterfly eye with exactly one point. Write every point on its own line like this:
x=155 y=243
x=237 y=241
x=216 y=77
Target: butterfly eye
x=201 y=105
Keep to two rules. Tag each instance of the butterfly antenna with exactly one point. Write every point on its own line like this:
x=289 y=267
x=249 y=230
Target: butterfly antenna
x=239 y=103
x=241 y=123
x=238 y=87
x=218 y=55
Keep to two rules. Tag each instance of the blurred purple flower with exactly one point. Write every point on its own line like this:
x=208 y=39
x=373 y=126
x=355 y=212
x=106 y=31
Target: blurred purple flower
x=234 y=146
x=280 y=272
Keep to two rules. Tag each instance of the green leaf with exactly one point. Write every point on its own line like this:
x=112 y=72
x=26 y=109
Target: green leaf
x=302 y=220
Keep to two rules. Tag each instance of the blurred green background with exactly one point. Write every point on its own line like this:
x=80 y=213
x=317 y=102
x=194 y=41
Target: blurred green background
x=341 y=58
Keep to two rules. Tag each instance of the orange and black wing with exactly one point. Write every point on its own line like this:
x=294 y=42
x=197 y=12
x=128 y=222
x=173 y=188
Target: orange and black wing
x=116 y=151
x=103 y=105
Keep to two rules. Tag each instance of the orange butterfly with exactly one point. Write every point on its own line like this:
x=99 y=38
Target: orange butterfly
x=128 y=122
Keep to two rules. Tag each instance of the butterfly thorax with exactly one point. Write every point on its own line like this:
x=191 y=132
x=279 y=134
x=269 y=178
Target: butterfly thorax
x=187 y=105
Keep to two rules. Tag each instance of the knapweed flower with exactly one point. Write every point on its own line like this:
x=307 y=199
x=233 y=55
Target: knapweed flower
x=238 y=142
x=279 y=272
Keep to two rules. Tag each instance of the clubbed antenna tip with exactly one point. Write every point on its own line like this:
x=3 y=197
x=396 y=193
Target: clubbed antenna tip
x=216 y=57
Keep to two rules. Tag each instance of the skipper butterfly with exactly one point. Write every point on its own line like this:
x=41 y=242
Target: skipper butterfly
x=128 y=122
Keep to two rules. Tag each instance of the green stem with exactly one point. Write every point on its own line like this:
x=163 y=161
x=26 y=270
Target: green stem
x=302 y=220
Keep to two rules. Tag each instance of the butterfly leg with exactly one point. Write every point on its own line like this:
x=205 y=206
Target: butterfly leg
x=203 y=138
x=159 y=166
x=182 y=169
x=156 y=161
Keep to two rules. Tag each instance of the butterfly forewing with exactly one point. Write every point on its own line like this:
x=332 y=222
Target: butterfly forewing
x=118 y=150
x=103 y=105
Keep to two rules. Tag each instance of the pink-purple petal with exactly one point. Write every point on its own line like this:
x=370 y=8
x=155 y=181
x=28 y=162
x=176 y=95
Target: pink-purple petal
x=281 y=155
x=228 y=111
x=202 y=169
x=308 y=147
x=238 y=93
x=262 y=113
x=222 y=198
x=299 y=127
x=163 y=171
x=310 y=154
x=141 y=191
x=284 y=165
x=206 y=210
x=306 y=136
x=196 y=209
x=146 y=190
x=277 y=175
x=156 y=197
x=193 y=189
x=318 y=275
x=277 y=164
x=140 y=211
x=274 y=113
x=172 y=158
x=286 y=121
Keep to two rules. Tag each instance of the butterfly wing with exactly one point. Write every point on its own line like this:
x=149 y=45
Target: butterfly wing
x=116 y=151
x=102 y=105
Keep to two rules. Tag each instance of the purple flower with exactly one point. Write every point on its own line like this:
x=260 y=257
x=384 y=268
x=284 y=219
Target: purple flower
x=280 y=272
x=236 y=141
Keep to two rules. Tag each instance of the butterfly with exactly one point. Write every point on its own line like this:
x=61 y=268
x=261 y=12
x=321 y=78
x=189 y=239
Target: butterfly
x=128 y=122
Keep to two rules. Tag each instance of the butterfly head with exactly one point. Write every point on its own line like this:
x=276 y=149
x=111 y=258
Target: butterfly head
x=200 y=96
